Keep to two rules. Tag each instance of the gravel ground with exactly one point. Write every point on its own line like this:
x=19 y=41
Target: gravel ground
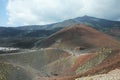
x=112 y=75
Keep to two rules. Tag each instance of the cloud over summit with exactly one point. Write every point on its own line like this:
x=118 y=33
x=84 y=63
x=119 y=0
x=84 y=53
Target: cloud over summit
x=27 y=12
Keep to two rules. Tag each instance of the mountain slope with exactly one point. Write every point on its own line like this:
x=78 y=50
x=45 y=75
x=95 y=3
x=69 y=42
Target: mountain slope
x=73 y=52
x=13 y=72
x=106 y=26
x=100 y=24
x=12 y=32
x=78 y=36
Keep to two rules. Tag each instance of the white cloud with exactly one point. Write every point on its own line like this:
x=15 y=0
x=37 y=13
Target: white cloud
x=49 y=11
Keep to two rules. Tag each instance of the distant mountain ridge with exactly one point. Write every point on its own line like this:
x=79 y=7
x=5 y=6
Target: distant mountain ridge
x=92 y=21
x=97 y=23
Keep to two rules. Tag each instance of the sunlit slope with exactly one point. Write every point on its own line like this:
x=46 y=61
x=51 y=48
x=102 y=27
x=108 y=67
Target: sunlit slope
x=78 y=36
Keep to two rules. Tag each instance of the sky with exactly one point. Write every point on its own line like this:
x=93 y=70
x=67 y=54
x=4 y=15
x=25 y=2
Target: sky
x=3 y=12
x=39 y=12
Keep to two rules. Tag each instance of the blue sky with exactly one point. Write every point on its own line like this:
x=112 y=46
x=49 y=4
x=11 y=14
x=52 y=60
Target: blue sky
x=40 y=12
x=3 y=12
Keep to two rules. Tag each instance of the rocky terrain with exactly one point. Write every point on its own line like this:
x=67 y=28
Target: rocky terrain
x=76 y=52
x=112 y=75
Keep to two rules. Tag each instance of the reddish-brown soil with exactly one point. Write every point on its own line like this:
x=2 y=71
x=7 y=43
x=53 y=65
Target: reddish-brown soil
x=81 y=59
x=79 y=36
x=84 y=36
x=107 y=65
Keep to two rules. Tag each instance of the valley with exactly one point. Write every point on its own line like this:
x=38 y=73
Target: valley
x=84 y=48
